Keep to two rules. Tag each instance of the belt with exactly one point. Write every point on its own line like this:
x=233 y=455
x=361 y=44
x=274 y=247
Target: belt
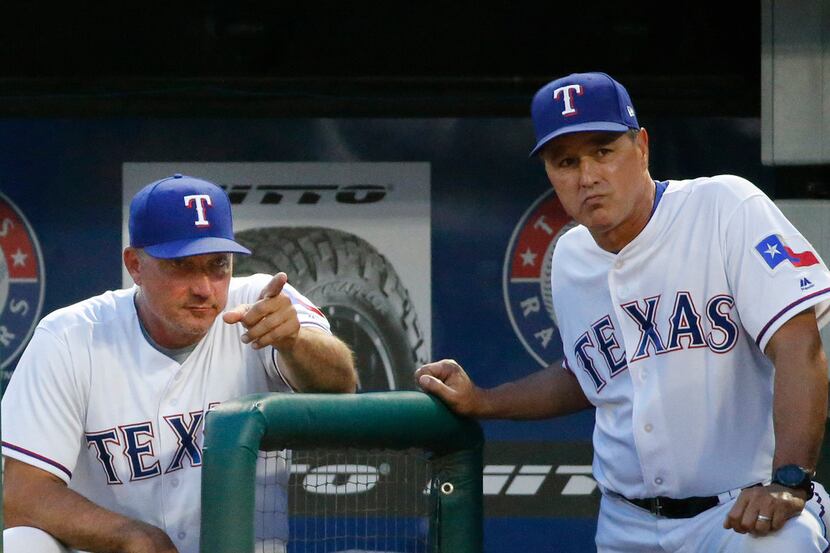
x=688 y=507
x=668 y=507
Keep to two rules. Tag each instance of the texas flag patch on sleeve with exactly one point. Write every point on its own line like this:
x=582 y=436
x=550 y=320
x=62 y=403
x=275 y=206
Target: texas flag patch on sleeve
x=774 y=251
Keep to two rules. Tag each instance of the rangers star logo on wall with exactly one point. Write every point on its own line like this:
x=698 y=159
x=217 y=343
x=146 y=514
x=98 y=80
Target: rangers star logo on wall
x=21 y=283
x=526 y=277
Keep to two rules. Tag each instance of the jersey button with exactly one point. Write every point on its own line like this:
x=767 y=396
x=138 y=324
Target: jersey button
x=658 y=481
x=182 y=535
x=175 y=482
x=618 y=264
x=648 y=428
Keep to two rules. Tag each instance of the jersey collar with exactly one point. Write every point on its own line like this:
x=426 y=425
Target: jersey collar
x=659 y=188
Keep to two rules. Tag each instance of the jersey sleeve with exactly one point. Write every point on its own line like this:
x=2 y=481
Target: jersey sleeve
x=773 y=271
x=43 y=408
x=308 y=313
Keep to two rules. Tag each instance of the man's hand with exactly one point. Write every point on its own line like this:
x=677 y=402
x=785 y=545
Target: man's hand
x=311 y=360
x=140 y=537
x=271 y=321
x=775 y=502
x=447 y=380
x=550 y=392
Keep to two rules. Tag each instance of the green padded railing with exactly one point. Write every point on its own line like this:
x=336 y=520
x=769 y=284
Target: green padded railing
x=235 y=431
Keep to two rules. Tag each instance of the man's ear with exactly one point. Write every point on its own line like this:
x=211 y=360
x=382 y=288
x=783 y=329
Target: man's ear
x=132 y=261
x=642 y=144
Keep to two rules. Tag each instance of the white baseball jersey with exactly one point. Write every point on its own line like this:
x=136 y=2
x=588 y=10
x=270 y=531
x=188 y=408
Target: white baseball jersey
x=92 y=402
x=666 y=337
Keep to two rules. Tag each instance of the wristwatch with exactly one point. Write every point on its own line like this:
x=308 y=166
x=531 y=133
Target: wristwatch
x=795 y=477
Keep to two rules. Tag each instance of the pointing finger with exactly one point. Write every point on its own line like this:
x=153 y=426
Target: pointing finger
x=275 y=286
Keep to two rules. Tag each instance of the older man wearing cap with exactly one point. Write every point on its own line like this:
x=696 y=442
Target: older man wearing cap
x=689 y=313
x=102 y=419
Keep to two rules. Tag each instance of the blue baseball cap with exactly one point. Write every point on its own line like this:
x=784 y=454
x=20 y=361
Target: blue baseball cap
x=180 y=216
x=581 y=102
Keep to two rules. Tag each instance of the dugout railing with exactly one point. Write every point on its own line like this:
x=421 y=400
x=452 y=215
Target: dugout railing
x=236 y=431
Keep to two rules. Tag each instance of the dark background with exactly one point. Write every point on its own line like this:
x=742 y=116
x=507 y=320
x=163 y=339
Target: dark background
x=258 y=57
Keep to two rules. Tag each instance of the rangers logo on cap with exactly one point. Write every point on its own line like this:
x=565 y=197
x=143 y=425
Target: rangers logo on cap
x=580 y=102
x=179 y=216
x=526 y=280
x=21 y=282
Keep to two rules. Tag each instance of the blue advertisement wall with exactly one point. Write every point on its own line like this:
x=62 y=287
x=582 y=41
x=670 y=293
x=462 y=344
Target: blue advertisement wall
x=65 y=178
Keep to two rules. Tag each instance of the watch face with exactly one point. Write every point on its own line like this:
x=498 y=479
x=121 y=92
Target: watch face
x=791 y=476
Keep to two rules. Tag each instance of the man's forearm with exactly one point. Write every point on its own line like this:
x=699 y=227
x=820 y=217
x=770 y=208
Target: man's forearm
x=31 y=498
x=547 y=393
x=800 y=393
x=319 y=362
x=800 y=412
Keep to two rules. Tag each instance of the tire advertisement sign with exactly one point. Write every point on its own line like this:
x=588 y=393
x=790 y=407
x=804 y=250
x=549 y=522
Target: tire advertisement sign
x=353 y=237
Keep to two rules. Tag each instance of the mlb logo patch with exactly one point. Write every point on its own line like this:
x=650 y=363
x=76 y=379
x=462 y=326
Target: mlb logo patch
x=774 y=251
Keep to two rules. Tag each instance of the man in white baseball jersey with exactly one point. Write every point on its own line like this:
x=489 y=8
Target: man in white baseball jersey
x=102 y=419
x=688 y=313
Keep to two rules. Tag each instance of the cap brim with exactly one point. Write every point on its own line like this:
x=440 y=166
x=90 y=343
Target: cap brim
x=600 y=126
x=200 y=246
